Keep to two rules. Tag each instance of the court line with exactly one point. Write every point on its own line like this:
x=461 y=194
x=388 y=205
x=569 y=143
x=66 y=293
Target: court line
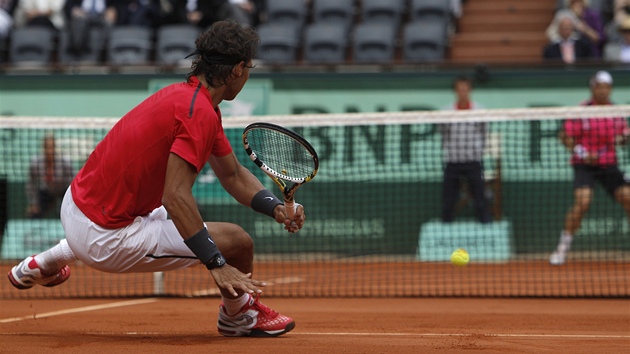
x=533 y=335
x=213 y=291
x=358 y=334
x=81 y=309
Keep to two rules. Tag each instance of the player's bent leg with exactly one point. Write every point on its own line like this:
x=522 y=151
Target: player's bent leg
x=234 y=243
x=254 y=320
x=573 y=219
x=622 y=195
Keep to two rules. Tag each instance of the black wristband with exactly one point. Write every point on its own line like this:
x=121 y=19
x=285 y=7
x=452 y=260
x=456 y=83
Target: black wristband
x=265 y=202
x=203 y=247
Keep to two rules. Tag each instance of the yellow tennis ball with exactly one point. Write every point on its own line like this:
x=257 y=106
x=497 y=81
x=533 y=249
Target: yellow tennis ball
x=460 y=257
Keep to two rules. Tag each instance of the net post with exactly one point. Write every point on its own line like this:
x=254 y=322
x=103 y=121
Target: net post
x=158 y=283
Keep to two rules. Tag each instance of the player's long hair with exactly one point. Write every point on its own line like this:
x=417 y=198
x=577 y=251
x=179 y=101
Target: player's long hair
x=224 y=45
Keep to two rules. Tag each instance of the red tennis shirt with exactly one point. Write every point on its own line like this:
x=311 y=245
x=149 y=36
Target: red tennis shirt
x=596 y=135
x=124 y=176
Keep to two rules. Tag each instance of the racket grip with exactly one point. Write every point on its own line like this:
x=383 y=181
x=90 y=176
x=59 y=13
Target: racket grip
x=290 y=208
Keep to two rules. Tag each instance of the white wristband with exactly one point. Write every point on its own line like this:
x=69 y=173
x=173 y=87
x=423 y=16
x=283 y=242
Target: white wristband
x=580 y=151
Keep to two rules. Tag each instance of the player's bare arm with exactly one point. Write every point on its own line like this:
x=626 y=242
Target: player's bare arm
x=180 y=203
x=240 y=183
x=177 y=196
x=566 y=140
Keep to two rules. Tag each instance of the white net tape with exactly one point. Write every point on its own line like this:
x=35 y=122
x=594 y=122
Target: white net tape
x=342 y=119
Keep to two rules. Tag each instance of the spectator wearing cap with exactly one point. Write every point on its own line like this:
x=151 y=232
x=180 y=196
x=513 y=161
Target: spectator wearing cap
x=571 y=47
x=592 y=143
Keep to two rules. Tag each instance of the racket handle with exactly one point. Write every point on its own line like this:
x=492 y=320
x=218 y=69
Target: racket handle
x=290 y=208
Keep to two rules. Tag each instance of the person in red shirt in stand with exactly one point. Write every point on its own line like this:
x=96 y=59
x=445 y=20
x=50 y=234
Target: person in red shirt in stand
x=115 y=211
x=592 y=143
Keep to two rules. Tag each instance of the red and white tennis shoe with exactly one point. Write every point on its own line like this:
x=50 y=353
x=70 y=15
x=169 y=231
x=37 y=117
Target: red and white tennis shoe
x=26 y=274
x=254 y=320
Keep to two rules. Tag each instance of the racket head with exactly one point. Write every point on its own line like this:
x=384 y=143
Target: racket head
x=281 y=153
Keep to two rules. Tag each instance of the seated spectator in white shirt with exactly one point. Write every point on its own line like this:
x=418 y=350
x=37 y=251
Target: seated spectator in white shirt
x=570 y=48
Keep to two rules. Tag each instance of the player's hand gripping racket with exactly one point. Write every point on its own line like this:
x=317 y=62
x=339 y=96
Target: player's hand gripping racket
x=283 y=155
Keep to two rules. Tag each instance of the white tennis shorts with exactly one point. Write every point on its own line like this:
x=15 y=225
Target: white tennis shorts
x=150 y=244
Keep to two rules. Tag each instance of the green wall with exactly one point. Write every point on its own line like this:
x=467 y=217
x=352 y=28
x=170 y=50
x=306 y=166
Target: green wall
x=301 y=92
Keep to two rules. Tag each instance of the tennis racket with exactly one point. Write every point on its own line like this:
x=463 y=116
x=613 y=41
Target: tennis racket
x=283 y=155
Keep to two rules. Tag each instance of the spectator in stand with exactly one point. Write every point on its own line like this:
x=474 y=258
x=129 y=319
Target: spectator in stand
x=144 y=13
x=49 y=176
x=83 y=15
x=622 y=11
x=247 y=9
x=619 y=50
x=204 y=13
x=571 y=47
x=47 y=13
x=6 y=17
x=588 y=23
x=172 y=12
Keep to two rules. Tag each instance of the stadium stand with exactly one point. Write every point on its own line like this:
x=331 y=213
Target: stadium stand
x=421 y=9
x=287 y=12
x=279 y=43
x=129 y=45
x=174 y=43
x=325 y=42
x=424 y=40
x=93 y=54
x=334 y=11
x=32 y=46
x=374 y=42
x=505 y=31
x=485 y=31
x=383 y=11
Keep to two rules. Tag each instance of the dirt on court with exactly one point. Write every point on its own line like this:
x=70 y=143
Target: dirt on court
x=324 y=325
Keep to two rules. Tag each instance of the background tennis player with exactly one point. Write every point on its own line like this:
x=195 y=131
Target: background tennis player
x=594 y=159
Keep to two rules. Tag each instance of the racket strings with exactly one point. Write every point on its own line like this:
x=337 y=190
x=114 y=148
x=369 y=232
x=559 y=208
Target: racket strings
x=281 y=153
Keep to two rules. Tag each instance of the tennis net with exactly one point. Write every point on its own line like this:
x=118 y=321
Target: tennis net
x=374 y=225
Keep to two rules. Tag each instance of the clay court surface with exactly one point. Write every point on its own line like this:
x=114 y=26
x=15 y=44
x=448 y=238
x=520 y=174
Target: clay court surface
x=341 y=325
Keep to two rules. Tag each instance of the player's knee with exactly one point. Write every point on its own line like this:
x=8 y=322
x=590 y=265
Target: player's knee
x=239 y=244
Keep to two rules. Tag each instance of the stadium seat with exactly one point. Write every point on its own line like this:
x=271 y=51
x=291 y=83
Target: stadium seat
x=382 y=11
x=424 y=40
x=287 y=11
x=334 y=11
x=91 y=56
x=421 y=9
x=325 y=43
x=374 y=42
x=174 y=43
x=129 y=45
x=278 y=43
x=31 y=46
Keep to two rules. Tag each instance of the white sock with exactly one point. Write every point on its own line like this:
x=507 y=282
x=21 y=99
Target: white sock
x=234 y=306
x=564 y=245
x=52 y=260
